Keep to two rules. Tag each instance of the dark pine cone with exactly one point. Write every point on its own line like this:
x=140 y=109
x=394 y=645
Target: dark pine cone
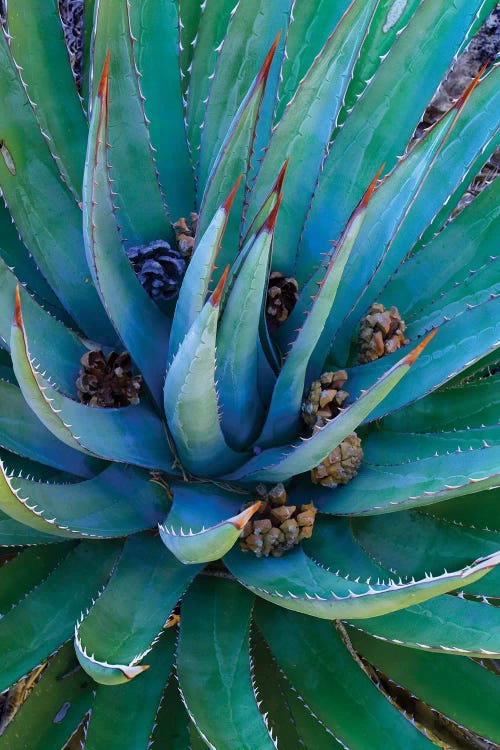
x=282 y=294
x=159 y=267
x=107 y=382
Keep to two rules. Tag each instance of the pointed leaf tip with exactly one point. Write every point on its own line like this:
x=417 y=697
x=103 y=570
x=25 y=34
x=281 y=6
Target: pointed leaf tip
x=18 y=318
x=131 y=672
x=217 y=293
x=266 y=66
x=415 y=354
x=228 y=202
x=102 y=91
x=371 y=188
x=270 y=222
x=244 y=517
x=278 y=185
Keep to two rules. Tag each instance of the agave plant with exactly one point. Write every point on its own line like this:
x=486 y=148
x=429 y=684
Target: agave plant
x=273 y=529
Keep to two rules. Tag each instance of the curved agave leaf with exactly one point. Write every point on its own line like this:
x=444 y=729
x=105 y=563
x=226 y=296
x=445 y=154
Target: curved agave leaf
x=203 y=523
x=213 y=651
x=27 y=570
x=278 y=464
x=129 y=306
x=190 y=391
x=112 y=639
x=119 y=501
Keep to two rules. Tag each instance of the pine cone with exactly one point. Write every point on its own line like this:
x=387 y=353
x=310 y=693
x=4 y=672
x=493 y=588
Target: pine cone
x=159 y=267
x=282 y=294
x=277 y=527
x=325 y=398
x=381 y=332
x=185 y=234
x=341 y=465
x=107 y=382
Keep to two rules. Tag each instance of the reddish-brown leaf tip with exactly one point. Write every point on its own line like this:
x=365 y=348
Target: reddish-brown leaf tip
x=266 y=66
x=217 y=293
x=246 y=516
x=278 y=185
x=228 y=202
x=102 y=91
x=371 y=189
x=18 y=318
x=270 y=222
x=412 y=356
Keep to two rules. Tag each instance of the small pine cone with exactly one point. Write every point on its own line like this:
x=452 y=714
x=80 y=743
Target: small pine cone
x=381 y=332
x=341 y=465
x=325 y=398
x=185 y=234
x=277 y=527
x=159 y=267
x=282 y=294
x=107 y=382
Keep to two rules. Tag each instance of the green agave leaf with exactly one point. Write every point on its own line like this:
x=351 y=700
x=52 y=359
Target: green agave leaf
x=38 y=625
x=203 y=522
x=475 y=228
x=384 y=489
x=298 y=583
x=119 y=501
x=55 y=708
x=156 y=48
x=14 y=534
x=283 y=418
x=479 y=402
x=98 y=431
x=194 y=289
x=88 y=21
x=441 y=546
x=113 y=638
x=447 y=624
x=233 y=158
x=123 y=716
x=172 y=721
x=49 y=82
x=214 y=667
x=128 y=304
x=238 y=342
x=458 y=687
x=138 y=198
x=190 y=14
x=359 y=148
x=478 y=511
x=190 y=390
x=306 y=140
x=336 y=691
x=23 y=433
x=27 y=570
x=48 y=228
x=278 y=464
x=465 y=339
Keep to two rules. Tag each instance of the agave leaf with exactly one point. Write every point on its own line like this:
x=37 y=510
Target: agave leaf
x=459 y=688
x=283 y=417
x=233 y=159
x=156 y=48
x=278 y=464
x=112 y=639
x=337 y=691
x=14 y=534
x=53 y=606
x=124 y=715
x=172 y=721
x=441 y=546
x=359 y=148
x=190 y=391
x=238 y=342
x=88 y=26
x=25 y=184
x=185 y=536
x=49 y=81
x=194 y=289
x=23 y=433
x=93 y=431
x=298 y=583
x=447 y=624
x=477 y=511
x=385 y=489
x=129 y=305
x=27 y=570
x=55 y=708
x=213 y=650
x=320 y=94
x=190 y=14
x=119 y=501
x=138 y=198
